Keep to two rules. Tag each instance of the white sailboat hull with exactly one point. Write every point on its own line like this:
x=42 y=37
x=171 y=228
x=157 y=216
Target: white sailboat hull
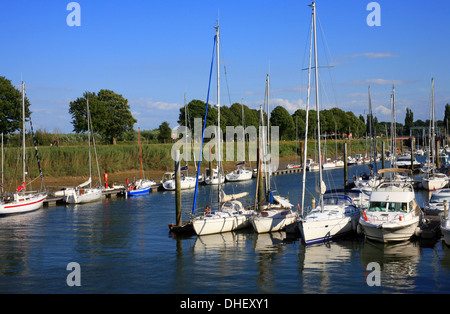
x=274 y=221
x=431 y=184
x=328 y=165
x=214 y=180
x=22 y=204
x=318 y=231
x=188 y=183
x=213 y=224
x=243 y=175
x=81 y=196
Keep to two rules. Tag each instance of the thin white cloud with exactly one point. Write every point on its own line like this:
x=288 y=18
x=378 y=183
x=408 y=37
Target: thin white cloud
x=289 y=105
x=378 y=81
x=382 y=110
x=147 y=104
x=374 y=55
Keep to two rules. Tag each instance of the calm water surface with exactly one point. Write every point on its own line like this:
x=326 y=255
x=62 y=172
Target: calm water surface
x=123 y=246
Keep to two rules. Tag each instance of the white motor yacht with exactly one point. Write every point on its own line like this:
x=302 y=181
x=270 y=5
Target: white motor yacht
x=393 y=214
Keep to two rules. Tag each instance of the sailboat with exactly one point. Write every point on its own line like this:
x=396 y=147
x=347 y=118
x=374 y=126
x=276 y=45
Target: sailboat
x=22 y=201
x=141 y=186
x=336 y=214
x=240 y=172
x=231 y=214
x=296 y=164
x=276 y=212
x=433 y=180
x=187 y=182
x=169 y=184
x=81 y=193
x=216 y=177
x=371 y=180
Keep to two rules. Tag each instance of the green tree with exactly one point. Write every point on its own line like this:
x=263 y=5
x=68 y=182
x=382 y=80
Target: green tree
x=196 y=109
x=11 y=107
x=447 y=118
x=110 y=113
x=409 y=120
x=165 y=132
x=281 y=117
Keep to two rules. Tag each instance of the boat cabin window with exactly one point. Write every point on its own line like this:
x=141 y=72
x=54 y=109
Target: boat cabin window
x=397 y=207
x=388 y=206
x=377 y=206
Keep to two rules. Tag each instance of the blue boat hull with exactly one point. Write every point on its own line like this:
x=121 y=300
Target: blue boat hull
x=145 y=190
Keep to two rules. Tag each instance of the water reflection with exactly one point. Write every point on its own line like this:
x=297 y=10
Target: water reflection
x=320 y=265
x=398 y=262
x=15 y=243
x=123 y=245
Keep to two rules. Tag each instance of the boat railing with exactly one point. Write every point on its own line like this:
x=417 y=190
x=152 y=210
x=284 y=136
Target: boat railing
x=405 y=186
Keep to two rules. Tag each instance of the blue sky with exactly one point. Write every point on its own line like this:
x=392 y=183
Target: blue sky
x=152 y=52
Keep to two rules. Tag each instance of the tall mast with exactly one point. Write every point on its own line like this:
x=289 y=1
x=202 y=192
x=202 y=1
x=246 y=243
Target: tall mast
x=185 y=135
x=305 y=146
x=243 y=131
x=219 y=167
x=267 y=161
x=372 y=133
x=89 y=138
x=317 y=101
x=140 y=152
x=433 y=143
x=23 y=132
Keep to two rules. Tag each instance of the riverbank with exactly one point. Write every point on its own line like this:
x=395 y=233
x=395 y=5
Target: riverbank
x=54 y=183
x=67 y=166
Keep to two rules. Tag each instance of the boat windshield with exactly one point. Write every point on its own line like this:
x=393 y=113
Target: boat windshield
x=337 y=200
x=388 y=207
x=440 y=198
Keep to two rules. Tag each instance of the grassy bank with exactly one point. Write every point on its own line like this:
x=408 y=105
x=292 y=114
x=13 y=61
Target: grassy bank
x=72 y=161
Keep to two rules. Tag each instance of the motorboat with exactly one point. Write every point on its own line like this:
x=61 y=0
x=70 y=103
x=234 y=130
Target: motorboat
x=393 y=214
x=404 y=161
x=435 y=207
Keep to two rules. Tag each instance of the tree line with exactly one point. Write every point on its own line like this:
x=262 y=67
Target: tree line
x=112 y=120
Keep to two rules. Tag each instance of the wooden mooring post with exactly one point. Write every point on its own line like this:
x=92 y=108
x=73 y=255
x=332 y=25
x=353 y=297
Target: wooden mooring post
x=345 y=166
